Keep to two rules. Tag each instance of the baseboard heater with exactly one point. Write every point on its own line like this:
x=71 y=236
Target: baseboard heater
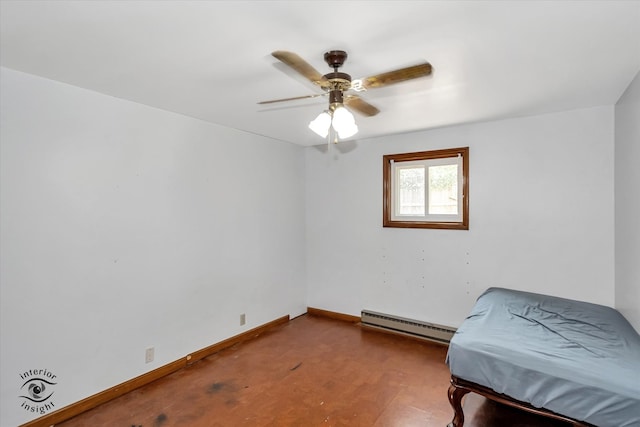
x=415 y=328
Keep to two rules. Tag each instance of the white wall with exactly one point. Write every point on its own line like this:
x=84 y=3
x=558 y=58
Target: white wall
x=627 y=179
x=541 y=219
x=124 y=227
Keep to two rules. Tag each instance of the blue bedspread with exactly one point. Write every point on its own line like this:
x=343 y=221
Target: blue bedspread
x=574 y=358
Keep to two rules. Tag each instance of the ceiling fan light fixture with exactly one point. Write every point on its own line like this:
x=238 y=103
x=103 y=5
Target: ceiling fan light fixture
x=321 y=124
x=343 y=122
x=339 y=118
x=342 y=117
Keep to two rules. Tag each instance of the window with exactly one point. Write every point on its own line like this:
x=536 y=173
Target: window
x=428 y=189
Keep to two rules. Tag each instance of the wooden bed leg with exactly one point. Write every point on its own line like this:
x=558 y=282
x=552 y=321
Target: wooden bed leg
x=455 y=399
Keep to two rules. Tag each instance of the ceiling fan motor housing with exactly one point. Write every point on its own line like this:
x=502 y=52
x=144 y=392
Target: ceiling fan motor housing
x=340 y=81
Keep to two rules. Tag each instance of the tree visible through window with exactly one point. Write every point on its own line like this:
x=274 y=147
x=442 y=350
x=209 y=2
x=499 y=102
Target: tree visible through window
x=427 y=189
x=411 y=184
x=443 y=190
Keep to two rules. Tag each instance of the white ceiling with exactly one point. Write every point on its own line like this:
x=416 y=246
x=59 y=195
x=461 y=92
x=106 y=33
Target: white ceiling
x=211 y=59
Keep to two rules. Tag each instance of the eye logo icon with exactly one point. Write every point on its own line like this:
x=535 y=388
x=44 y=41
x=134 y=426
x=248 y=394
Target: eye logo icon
x=36 y=391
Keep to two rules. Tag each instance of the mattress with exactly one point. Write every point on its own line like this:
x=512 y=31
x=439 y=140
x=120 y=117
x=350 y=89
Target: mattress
x=574 y=358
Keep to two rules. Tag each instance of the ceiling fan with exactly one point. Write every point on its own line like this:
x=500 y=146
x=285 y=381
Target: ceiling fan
x=340 y=87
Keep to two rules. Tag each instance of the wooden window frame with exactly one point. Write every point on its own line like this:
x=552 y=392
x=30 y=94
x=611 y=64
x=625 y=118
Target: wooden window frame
x=388 y=161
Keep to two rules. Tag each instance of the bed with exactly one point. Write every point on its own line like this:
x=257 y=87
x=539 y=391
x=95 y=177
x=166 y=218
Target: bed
x=569 y=360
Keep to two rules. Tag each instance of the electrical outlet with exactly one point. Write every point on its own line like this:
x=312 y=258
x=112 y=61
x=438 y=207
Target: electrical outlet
x=243 y=319
x=148 y=355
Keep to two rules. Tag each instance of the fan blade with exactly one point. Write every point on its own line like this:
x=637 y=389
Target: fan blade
x=401 y=75
x=292 y=99
x=361 y=106
x=300 y=65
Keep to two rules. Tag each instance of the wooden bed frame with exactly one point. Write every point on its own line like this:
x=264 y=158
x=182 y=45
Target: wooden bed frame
x=460 y=387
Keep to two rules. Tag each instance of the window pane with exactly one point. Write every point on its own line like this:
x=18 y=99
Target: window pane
x=411 y=194
x=443 y=190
